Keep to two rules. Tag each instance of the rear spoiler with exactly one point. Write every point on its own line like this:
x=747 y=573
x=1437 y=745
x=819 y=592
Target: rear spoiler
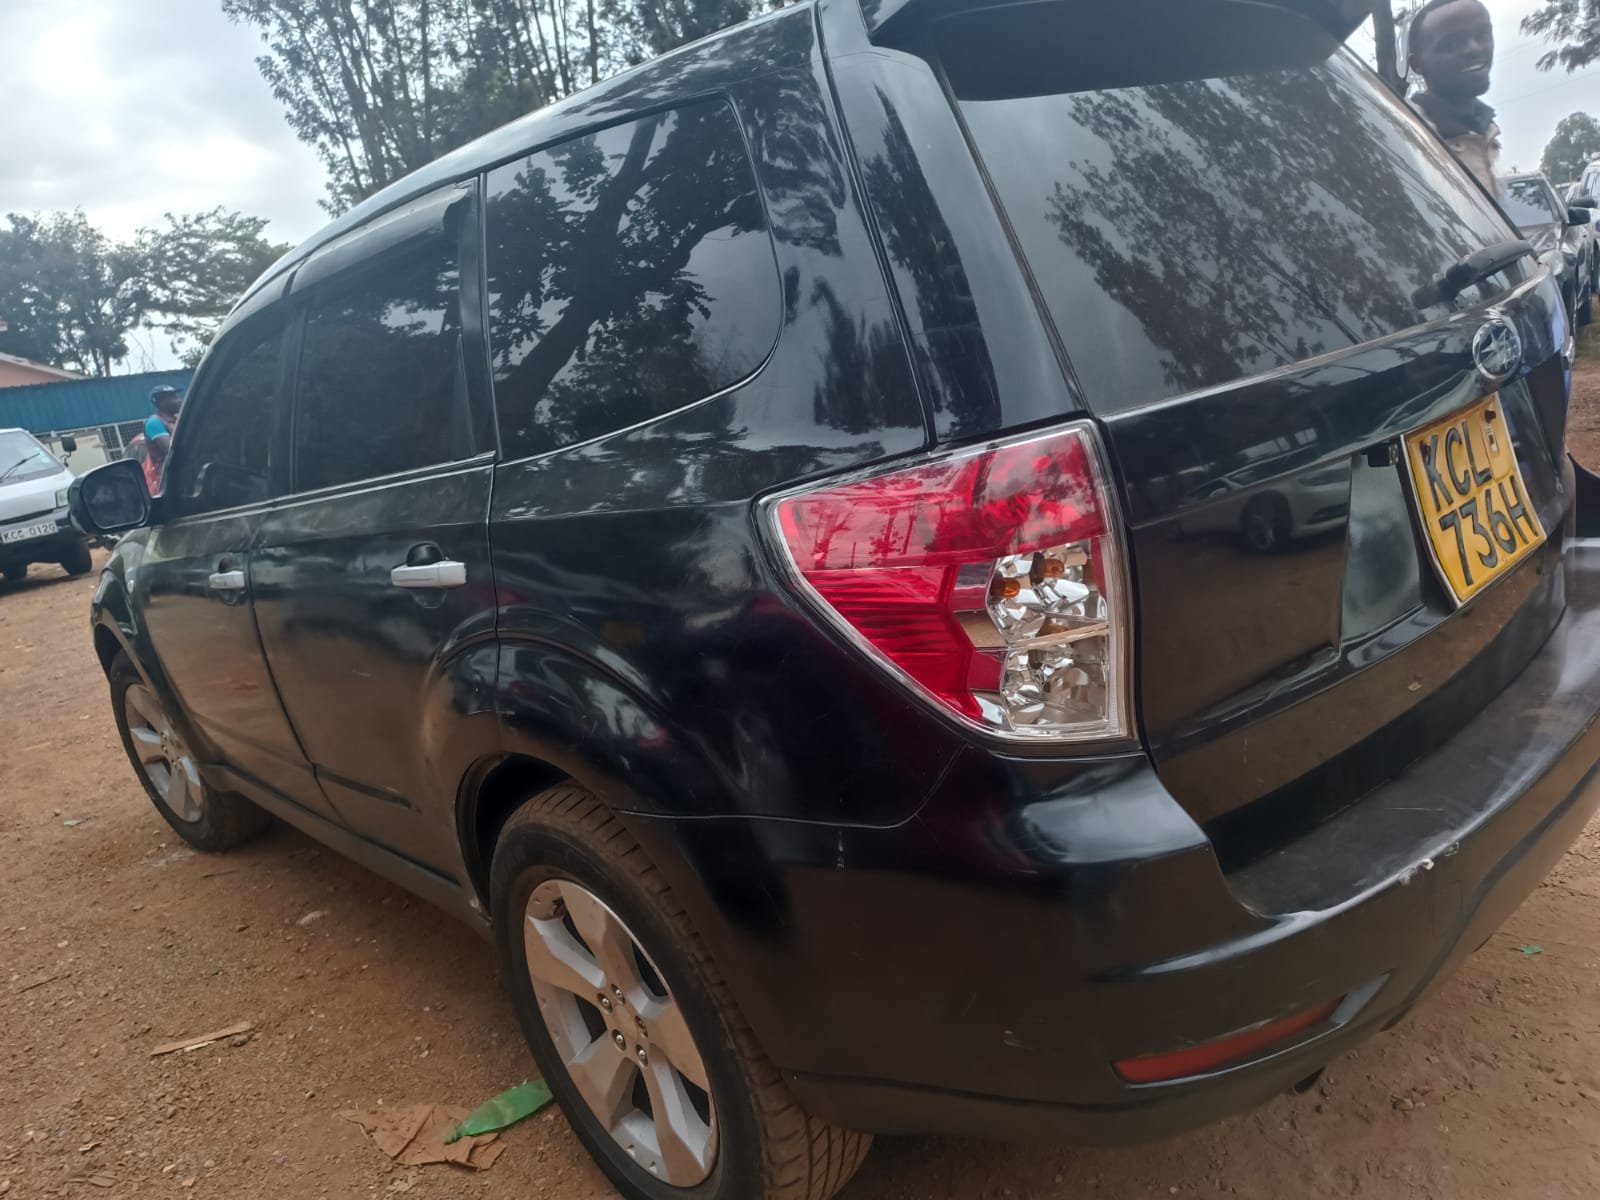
x=1337 y=18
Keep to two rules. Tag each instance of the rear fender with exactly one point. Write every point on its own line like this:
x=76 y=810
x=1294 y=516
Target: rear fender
x=566 y=717
x=596 y=728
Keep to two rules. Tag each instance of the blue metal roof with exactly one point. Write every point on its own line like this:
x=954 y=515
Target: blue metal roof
x=84 y=403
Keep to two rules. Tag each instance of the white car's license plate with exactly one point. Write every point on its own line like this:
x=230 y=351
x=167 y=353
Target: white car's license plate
x=23 y=533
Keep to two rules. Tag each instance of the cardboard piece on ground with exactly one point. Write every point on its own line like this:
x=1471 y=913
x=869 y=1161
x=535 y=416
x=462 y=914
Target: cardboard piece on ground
x=413 y=1136
x=202 y=1039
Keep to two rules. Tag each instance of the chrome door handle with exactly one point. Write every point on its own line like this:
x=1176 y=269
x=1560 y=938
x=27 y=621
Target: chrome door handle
x=226 y=581
x=446 y=574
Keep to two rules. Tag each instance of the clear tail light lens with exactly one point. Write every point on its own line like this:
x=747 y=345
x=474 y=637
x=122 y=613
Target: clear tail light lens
x=991 y=580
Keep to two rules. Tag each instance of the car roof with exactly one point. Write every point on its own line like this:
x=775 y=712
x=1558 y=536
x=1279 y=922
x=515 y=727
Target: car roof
x=651 y=84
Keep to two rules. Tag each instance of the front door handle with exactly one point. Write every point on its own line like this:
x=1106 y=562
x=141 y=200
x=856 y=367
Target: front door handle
x=226 y=581
x=444 y=574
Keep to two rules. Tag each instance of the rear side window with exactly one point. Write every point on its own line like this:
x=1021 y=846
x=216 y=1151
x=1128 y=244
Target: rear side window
x=630 y=273
x=219 y=457
x=1186 y=234
x=381 y=387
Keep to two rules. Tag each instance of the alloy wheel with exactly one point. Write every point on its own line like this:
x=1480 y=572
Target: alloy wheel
x=162 y=757
x=620 y=1033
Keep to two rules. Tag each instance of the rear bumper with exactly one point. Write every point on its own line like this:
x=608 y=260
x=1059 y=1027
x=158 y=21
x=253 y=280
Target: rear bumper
x=918 y=993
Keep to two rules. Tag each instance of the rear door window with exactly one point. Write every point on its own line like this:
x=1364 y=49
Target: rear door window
x=381 y=387
x=630 y=273
x=1186 y=234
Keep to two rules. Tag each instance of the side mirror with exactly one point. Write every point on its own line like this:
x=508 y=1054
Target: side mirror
x=69 y=444
x=110 y=499
x=1583 y=200
x=1578 y=216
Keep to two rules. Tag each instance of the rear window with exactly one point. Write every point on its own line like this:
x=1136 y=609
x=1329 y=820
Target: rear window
x=1186 y=234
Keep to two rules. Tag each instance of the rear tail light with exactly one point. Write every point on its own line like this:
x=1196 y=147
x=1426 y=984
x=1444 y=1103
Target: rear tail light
x=991 y=580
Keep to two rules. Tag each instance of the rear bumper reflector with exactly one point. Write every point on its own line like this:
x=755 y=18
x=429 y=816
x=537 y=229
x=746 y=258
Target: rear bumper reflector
x=1225 y=1051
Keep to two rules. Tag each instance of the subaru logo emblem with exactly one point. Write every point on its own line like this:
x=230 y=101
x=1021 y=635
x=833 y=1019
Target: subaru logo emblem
x=1497 y=350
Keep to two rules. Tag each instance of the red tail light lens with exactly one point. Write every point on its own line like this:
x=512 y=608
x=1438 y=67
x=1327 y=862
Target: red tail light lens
x=991 y=579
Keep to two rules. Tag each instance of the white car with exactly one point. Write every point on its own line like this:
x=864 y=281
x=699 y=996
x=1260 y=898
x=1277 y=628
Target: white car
x=34 y=527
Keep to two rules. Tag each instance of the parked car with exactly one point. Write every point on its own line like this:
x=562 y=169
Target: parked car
x=33 y=509
x=1587 y=233
x=1557 y=230
x=723 y=536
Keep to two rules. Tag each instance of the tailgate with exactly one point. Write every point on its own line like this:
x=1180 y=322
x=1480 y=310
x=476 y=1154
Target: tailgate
x=1237 y=266
x=1298 y=643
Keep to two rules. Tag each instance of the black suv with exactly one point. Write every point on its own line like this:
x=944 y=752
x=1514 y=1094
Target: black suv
x=771 y=540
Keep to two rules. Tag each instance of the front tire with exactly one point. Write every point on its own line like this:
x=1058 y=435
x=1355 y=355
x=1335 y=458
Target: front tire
x=638 y=1037
x=202 y=816
x=77 y=560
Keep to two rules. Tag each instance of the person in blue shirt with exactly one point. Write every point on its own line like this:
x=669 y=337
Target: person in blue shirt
x=158 y=427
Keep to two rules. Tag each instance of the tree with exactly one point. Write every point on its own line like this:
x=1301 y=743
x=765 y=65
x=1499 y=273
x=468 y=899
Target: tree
x=70 y=296
x=1576 y=141
x=196 y=266
x=1573 y=25
x=380 y=87
x=1387 y=46
x=1386 y=24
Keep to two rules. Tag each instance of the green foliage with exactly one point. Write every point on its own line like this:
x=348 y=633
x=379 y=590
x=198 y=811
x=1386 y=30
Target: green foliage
x=380 y=87
x=1576 y=141
x=196 y=265
x=70 y=296
x=1573 y=26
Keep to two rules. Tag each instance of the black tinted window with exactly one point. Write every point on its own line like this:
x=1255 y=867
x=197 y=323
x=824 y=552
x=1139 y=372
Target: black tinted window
x=219 y=456
x=1188 y=234
x=630 y=273
x=381 y=387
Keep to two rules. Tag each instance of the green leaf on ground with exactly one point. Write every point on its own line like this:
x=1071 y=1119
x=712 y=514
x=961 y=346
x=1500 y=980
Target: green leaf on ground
x=506 y=1109
x=1531 y=949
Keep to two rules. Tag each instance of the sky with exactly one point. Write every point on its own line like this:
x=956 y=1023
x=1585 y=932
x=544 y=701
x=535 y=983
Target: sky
x=130 y=109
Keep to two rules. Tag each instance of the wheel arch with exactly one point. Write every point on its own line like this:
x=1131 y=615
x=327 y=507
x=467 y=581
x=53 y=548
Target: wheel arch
x=577 y=722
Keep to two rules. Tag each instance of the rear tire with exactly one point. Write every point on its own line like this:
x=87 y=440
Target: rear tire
x=14 y=574
x=202 y=816
x=77 y=560
x=1585 y=309
x=563 y=864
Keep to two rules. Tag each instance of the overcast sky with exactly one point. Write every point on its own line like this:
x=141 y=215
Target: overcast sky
x=132 y=108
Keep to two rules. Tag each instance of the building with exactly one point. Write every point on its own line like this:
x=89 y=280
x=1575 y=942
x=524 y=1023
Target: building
x=22 y=372
x=104 y=415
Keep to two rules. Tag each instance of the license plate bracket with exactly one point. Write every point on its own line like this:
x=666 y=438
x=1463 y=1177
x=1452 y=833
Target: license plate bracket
x=1471 y=501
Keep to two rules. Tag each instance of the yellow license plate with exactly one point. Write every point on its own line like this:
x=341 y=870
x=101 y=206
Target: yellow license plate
x=1475 y=510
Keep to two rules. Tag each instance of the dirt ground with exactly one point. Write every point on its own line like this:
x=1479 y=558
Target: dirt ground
x=115 y=938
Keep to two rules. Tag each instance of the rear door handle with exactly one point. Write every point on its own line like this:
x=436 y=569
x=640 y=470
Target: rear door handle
x=446 y=574
x=226 y=581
